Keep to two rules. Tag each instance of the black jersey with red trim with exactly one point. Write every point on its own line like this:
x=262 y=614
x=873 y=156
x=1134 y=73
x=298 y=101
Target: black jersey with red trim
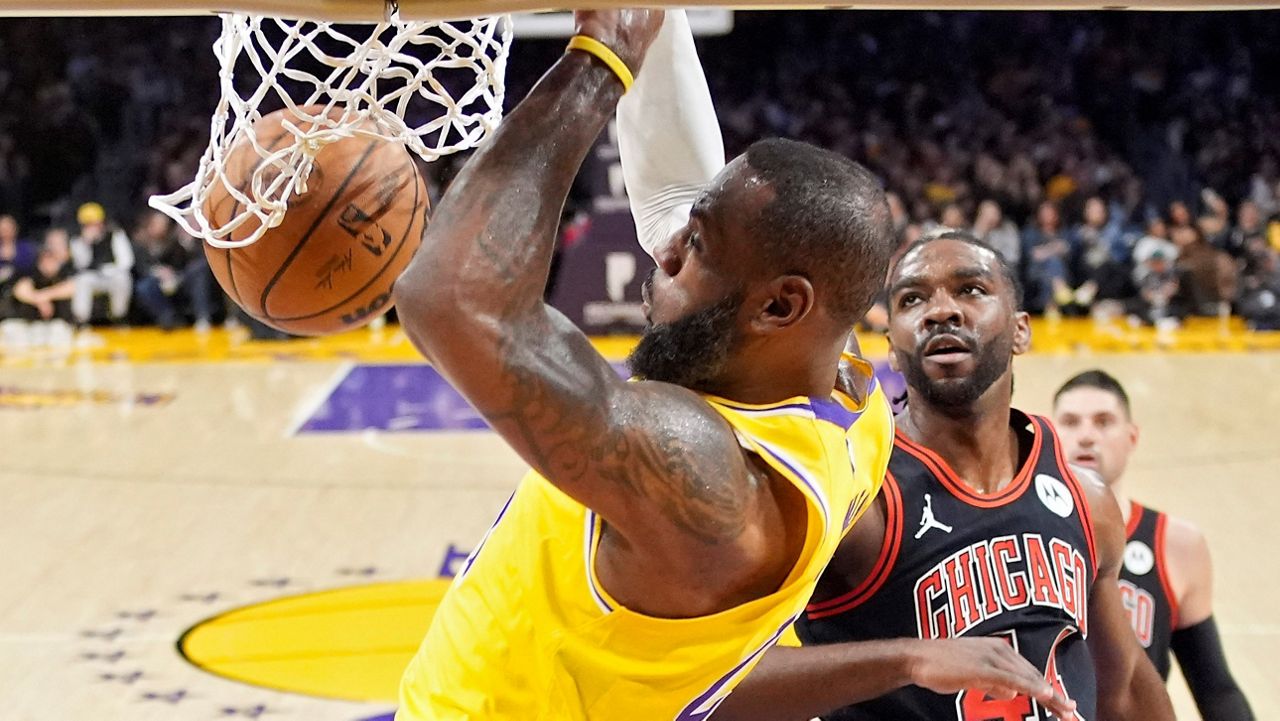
x=1144 y=585
x=1017 y=564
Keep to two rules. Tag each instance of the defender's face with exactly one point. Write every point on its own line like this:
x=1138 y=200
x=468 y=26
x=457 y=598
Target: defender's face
x=953 y=327
x=1096 y=431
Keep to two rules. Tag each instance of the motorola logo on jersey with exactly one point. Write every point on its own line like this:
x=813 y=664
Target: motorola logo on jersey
x=1054 y=495
x=1138 y=558
x=1002 y=574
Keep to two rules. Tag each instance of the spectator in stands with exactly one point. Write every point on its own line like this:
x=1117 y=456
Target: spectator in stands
x=1262 y=186
x=1046 y=252
x=991 y=227
x=171 y=266
x=17 y=258
x=1206 y=275
x=58 y=241
x=1157 y=291
x=45 y=293
x=1249 y=226
x=1155 y=241
x=953 y=217
x=1259 y=302
x=103 y=258
x=1099 y=248
x=897 y=213
x=1179 y=215
x=1214 y=223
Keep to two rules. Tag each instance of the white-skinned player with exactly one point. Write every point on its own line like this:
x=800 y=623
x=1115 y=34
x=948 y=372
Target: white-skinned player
x=1167 y=578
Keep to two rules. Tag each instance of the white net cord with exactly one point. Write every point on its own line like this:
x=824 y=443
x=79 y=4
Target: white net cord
x=436 y=87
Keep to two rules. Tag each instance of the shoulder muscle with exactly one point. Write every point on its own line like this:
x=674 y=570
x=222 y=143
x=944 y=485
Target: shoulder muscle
x=680 y=459
x=1190 y=570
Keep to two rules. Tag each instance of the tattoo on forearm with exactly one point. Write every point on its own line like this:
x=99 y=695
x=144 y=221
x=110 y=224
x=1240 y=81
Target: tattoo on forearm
x=532 y=374
x=554 y=418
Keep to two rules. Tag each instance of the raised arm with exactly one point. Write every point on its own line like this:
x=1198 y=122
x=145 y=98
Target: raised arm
x=1128 y=685
x=471 y=302
x=668 y=136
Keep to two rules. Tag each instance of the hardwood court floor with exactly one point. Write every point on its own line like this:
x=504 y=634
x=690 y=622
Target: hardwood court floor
x=154 y=482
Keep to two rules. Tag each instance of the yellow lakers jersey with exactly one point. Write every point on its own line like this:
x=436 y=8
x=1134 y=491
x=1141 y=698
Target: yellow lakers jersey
x=527 y=632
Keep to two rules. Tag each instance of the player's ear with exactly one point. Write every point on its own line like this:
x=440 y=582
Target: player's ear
x=1021 y=333
x=785 y=301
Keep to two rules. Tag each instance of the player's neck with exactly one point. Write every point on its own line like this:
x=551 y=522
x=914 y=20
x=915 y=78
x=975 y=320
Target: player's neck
x=761 y=379
x=1122 y=497
x=979 y=446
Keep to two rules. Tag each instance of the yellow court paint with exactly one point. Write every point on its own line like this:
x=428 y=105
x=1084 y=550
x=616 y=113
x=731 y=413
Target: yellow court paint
x=348 y=643
x=389 y=345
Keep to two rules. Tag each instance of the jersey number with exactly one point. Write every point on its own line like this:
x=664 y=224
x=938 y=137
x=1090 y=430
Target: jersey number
x=975 y=706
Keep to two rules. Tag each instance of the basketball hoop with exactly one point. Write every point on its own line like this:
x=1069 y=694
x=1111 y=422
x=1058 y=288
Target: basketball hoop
x=436 y=87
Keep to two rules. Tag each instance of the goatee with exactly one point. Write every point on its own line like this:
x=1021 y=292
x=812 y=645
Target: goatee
x=956 y=396
x=691 y=352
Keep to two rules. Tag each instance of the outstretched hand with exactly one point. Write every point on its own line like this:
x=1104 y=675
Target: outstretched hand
x=628 y=33
x=987 y=665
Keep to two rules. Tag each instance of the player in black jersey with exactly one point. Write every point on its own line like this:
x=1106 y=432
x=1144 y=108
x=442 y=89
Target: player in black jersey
x=1166 y=582
x=981 y=531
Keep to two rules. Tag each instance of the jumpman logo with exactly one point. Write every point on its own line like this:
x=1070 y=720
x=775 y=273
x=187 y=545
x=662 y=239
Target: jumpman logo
x=928 y=522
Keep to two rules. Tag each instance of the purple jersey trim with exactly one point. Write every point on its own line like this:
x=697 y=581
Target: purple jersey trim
x=589 y=557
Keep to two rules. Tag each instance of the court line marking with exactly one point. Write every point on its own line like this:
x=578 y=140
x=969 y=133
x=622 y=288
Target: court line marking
x=373 y=439
x=309 y=405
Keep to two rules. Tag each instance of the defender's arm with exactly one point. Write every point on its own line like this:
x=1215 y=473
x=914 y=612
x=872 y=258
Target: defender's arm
x=792 y=684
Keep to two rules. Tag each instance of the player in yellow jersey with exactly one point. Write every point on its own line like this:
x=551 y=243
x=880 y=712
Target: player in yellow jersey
x=674 y=526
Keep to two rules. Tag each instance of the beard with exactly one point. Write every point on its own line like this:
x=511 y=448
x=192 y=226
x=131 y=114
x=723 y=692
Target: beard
x=691 y=352
x=958 y=395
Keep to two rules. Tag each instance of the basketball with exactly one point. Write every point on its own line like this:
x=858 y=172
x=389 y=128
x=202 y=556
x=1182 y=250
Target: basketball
x=330 y=264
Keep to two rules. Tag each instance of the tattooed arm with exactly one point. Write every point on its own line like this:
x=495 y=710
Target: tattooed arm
x=652 y=459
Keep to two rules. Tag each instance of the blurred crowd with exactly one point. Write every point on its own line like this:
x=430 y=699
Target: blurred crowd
x=151 y=273
x=1126 y=163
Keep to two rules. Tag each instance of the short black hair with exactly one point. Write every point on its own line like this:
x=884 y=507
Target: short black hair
x=1006 y=269
x=1099 y=379
x=828 y=221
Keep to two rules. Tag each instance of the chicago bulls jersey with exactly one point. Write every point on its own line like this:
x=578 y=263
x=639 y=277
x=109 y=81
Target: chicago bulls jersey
x=1144 y=585
x=1017 y=564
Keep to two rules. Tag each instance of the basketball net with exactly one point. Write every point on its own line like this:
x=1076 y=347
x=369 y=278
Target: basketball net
x=437 y=87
